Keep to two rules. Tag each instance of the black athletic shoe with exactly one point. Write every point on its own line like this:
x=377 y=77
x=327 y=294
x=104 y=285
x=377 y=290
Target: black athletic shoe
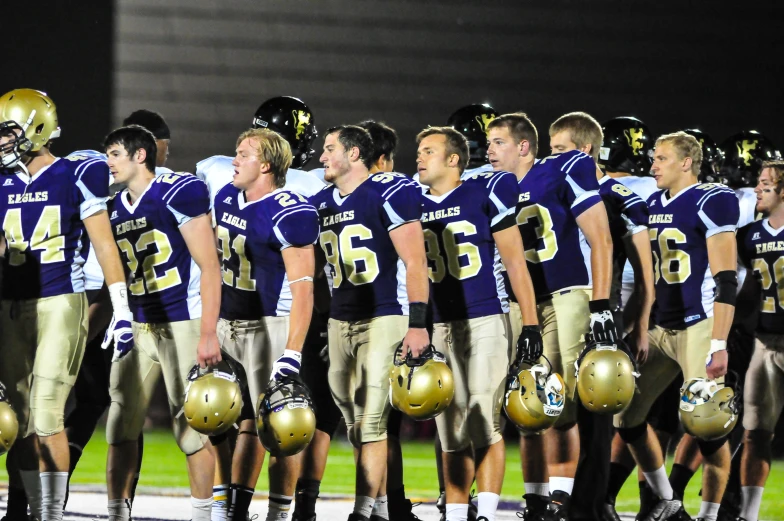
x=665 y=509
x=401 y=511
x=558 y=508
x=297 y=517
x=535 y=508
x=608 y=513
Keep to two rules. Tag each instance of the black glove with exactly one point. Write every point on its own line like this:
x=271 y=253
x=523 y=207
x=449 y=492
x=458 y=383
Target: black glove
x=529 y=345
x=602 y=325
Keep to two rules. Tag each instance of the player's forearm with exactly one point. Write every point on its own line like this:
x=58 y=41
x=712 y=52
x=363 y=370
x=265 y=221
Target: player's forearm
x=417 y=283
x=210 y=297
x=601 y=266
x=523 y=289
x=645 y=288
x=301 y=311
x=722 y=320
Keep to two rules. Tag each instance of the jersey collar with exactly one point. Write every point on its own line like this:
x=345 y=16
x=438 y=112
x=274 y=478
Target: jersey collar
x=440 y=198
x=131 y=207
x=28 y=180
x=665 y=200
x=770 y=229
x=243 y=203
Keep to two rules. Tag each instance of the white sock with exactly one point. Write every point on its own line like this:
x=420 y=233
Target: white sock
x=120 y=509
x=363 y=505
x=539 y=489
x=751 y=500
x=201 y=509
x=54 y=487
x=279 y=506
x=659 y=482
x=220 y=503
x=563 y=484
x=709 y=511
x=457 y=512
x=487 y=504
x=381 y=507
x=31 y=479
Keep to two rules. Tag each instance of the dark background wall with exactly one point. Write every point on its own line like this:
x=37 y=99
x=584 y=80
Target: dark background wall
x=63 y=48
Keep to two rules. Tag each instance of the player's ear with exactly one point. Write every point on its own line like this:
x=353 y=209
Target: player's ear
x=264 y=168
x=687 y=161
x=140 y=156
x=353 y=154
x=525 y=147
x=586 y=149
x=453 y=160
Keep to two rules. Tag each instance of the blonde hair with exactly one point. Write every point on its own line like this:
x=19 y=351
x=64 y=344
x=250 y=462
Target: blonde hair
x=778 y=173
x=583 y=130
x=520 y=127
x=686 y=146
x=270 y=148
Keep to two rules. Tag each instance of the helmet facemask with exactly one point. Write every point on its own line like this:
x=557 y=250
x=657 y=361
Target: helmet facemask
x=14 y=144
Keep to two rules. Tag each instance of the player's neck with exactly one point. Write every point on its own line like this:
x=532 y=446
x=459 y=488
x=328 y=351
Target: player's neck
x=445 y=185
x=617 y=175
x=40 y=161
x=139 y=183
x=261 y=187
x=349 y=182
x=681 y=185
x=776 y=217
x=526 y=164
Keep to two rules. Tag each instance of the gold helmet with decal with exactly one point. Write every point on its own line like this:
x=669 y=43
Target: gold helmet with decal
x=286 y=422
x=213 y=399
x=534 y=397
x=28 y=121
x=9 y=425
x=423 y=387
x=707 y=411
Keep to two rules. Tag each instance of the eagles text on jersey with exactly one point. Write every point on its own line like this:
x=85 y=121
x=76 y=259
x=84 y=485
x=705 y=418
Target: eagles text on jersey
x=463 y=263
x=251 y=236
x=553 y=194
x=42 y=223
x=679 y=227
x=164 y=279
x=761 y=247
x=368 y=277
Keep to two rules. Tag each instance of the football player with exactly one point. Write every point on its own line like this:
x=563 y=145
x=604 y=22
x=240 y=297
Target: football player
x=91 y=390
x=628 y=216
x=692 y=229
x=162 y=227
x=266 y=235
x=762 y=252
x=559 y=214
x=48 y=206
x=291 y=118
x=371 y=237
x=470 y=228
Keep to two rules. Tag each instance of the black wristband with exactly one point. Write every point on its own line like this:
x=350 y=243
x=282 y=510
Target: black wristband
x=531 y=328
x=417 y=315
x=597 y=306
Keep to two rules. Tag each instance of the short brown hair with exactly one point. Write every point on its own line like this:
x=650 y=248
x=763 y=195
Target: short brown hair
x=520 y=127
x=778 y=173
x=456 y=143
x=686 y=146
x=271 y=148
x=583 y=130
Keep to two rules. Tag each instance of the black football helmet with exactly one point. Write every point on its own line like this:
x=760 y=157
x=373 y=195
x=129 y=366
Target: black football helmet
x=627 y=146
x=743 y=155
x=472 y=121
x=711 y=156
x=291 y=118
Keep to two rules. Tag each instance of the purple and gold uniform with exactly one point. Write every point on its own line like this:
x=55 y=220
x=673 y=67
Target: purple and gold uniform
x=44 y=309
x=469 y=302
x=368 y=316
x=255 y=296
x=761 y=248
x=164 y=297
x=553 y=194
x=679 y=228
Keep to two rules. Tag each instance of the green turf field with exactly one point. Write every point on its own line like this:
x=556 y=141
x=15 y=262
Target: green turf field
x=164 y=466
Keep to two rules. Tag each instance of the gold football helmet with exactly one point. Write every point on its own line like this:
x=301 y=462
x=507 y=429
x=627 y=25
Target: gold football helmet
x=213 y=399
x=420 y=387
x=605 y=377
x=534 y=397
x=707 y=411
x=29 y=118
x=9 y=425
x=286 y=422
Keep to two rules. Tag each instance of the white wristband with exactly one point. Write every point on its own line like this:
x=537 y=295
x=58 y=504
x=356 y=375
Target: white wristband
x=715 y=347
x=301 y=279
x=118 y=292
